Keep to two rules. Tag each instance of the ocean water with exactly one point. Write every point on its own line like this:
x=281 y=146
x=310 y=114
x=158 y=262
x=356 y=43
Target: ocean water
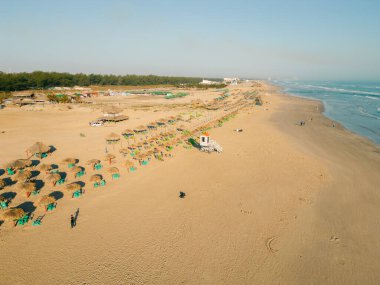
x=355 y=105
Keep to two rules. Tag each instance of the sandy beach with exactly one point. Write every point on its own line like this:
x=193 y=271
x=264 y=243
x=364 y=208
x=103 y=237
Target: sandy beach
x=283 y=204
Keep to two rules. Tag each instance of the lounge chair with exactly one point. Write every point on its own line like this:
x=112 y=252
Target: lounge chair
x=115 y=176
x=22 y=221
x=98 y=166
x=77 y=193
x=103 y=183
x=10 y=171
x=51 y=207
x=4 y=204
x=38 y=221
x=60 y=181
x=70 y=165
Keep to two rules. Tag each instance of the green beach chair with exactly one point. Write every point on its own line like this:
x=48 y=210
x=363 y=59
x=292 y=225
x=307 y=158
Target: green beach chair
x=4 y=205
x=98 y=166
x=38 y=221
x=61 y=181
x=10 y=171
x=115 y=176
x=70 y=165
x=77 y=194
x=51 y=207
x=132 y=169
x=54 y=170
x=144 y=162
x=96 y=185
x=24 y=220
x=36 y=192
x=103 y=183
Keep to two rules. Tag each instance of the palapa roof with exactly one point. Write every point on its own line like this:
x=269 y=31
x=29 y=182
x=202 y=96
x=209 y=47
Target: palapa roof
x=13 y=214
x=45 y=200
x=96 y=178
x=27 y=186
x=2 y=183
x=45 y=167
x=53 y=177
x=76 y=169
x=152 y=124
x=93 y=161
x=129 y=163
x=38 y=147
x=26 y=174
x=140 y=128
x=73 y=186
x=128 y=132
x=20 y=163
x=109 y=156
x=113 y=170
x=113 y=137
x=114 y=118
x=69 y=160
x=124 y=150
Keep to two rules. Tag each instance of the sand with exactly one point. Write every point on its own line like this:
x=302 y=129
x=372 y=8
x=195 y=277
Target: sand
x=283 y=204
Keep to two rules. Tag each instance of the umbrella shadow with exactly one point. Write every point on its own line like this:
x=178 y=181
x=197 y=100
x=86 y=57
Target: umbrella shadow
x=57 y=195
x=35 y=162
x=54 y=166
x=39 y=184
x=1 y=222
x=35 y=173
x=9 y=195
x=52 y=149
x=9 y=182
x=63 y=175
x=81 y=183
x=28 y=207
x=2 y=171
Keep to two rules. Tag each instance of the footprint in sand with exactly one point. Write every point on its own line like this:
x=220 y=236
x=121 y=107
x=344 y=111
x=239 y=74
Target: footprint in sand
x=334 y=239
x=269 y=245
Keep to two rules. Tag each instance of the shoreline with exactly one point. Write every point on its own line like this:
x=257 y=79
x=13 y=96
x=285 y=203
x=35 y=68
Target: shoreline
x=282 y=203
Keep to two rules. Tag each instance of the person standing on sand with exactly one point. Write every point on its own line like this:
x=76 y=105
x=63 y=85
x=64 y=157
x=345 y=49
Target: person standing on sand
x=72 y=221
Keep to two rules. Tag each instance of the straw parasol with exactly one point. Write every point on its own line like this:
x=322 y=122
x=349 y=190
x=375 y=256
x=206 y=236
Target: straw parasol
x=27 y=187
x=124 y=151
x=76 y=169
x=13 y=214
x=152 y=125
x=23 y=176
x=128 y=132
x=93 y=161
x=161 y=122
x=129 y=164
x=53 y=177
x=113 y=170
x=2 y=183
x=38 y=147
x=112 y=137
x=96 y=178
x=73 y=186
x=109 y=157
x=69 y=160
x=140 y=129
x=45 y=201
x=45 y=167
x=19 y=163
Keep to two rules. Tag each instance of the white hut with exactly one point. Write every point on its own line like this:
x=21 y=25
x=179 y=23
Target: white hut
x=204 y=140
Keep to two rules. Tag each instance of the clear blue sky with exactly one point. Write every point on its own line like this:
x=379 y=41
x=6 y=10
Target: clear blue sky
x=305 y=39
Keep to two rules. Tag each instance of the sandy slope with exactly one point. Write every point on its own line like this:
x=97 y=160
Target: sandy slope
x=282 y=205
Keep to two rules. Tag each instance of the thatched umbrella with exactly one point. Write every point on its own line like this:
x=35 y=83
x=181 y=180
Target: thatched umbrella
x=112 y=138
x=113 y=170
x=124 y=151
x=76 y=169
x=161 y=122
x=73 y=187
x=96 y=178
x=19 y=164
x=39 y=148
x=140 y=129
x=46 y=167
x=23 y=176
x=109 y=157
x=13 y=214
x=45 y=201
x=129 y=164
x=152 y=125
x=128 y=133
x=2 y=183
x=70 y=160
x=53 y=178
x=27 y=187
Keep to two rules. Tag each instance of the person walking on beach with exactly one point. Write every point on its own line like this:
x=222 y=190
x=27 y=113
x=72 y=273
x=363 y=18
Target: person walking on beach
x=72 y=221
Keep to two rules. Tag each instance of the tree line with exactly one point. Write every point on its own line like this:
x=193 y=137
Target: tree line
x=44 y=80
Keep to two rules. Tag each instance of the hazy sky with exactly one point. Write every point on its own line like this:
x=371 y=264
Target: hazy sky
x=304 y=39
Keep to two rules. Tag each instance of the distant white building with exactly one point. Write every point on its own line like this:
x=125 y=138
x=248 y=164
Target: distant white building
x=231 y=81
x=208 y=82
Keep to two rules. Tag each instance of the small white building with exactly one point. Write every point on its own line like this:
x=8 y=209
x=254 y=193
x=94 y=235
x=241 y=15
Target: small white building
x=204 y=140
x=208 y=82
x=232 y=81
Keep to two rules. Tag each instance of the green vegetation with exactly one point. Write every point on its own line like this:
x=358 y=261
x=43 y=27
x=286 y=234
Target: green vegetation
x=4 y=95
x=44 y=80
x=177 y=95
x=201 y=86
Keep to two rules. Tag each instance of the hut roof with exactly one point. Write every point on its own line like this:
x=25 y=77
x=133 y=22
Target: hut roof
x=113 y=170
x=38 y=147
x=129 y=163
x=26 y=174
x=54 y=177
x=69 y=160
x=124 y=150
x=45 y=167
x=45 y=200
x=128 y=132
x=20 y=163
x=109 y=156
x=13 y=214
x=76 y=169
x=93 y=161
x=114 y=118
x=96 y=178
x=73 y=186
x=113 y=137
x=140 y=128
x=27 y=186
